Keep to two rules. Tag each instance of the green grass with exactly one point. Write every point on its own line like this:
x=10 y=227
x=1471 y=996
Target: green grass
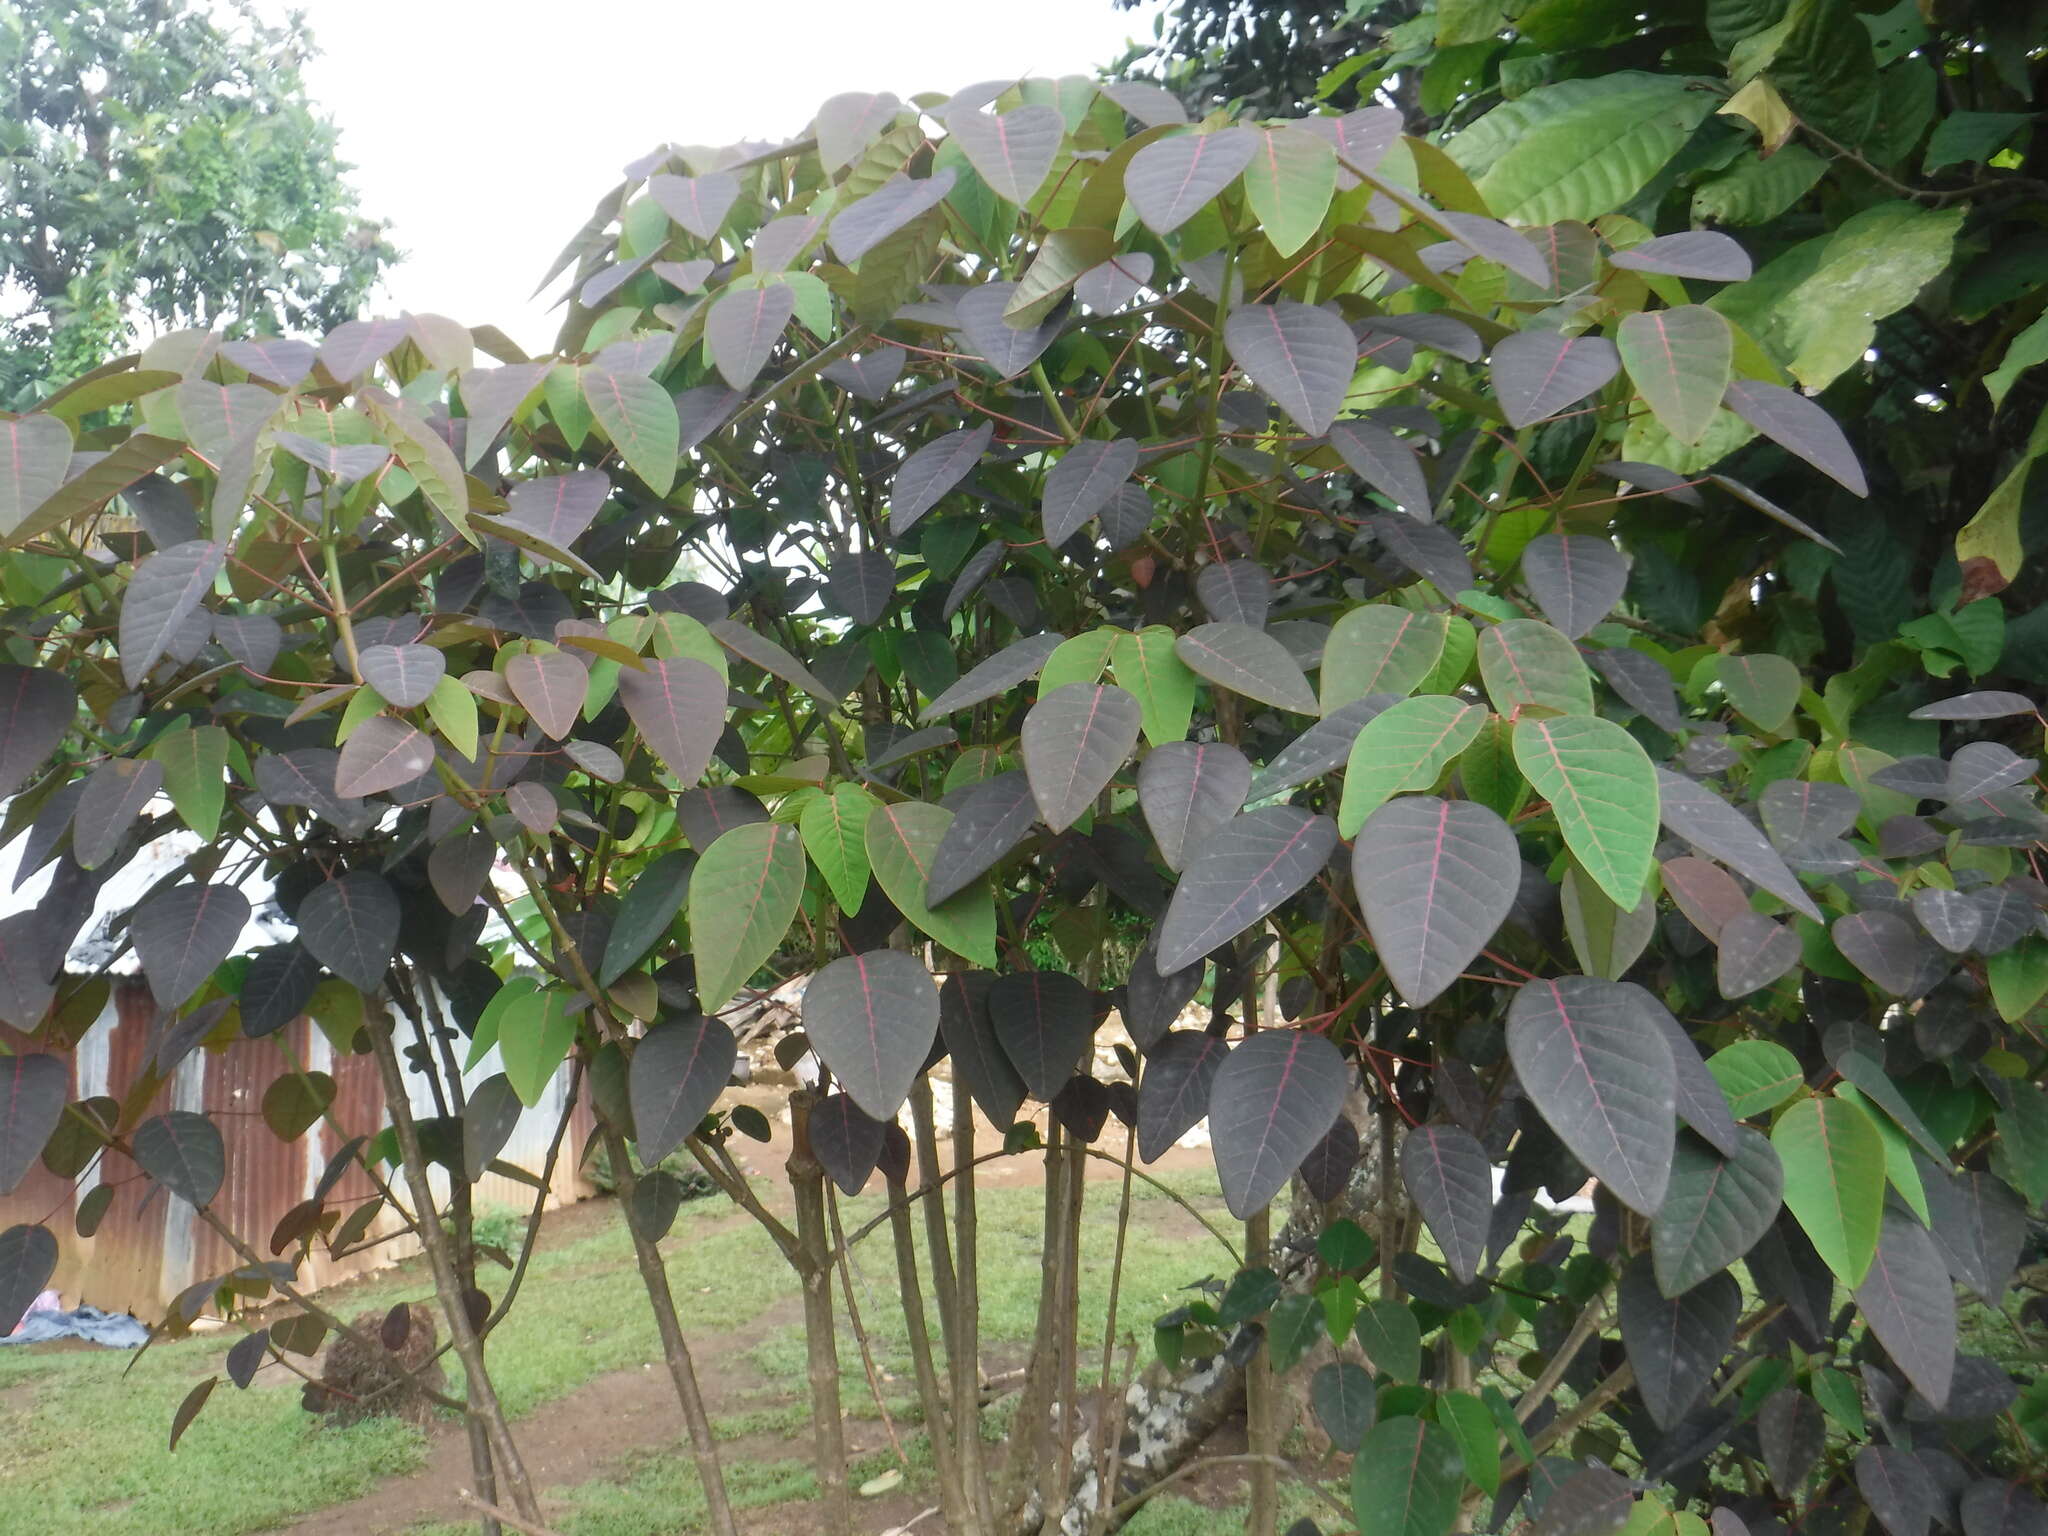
x=83 y=1438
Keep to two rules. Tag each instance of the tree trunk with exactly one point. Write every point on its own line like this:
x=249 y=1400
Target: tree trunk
x=828 y=1430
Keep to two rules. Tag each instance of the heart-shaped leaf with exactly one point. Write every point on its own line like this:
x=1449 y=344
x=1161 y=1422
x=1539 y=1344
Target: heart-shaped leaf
x=1602 y=788
x=1074 y=740
x=678 y=706
x=1012 y=152
x=743 y=896
x=1406 y=1479
x=1715 y=1210
x=981 y=318
x=1599 y=1071
x=1576 y=579
x=1676 y=1343
x=1525 y=664
x=1235 y=592
x=35 y=453
x=1251 y=865
x=276 y=988
x=1300 y=355
x=1289 y=184
x=1537 y=374
x=1755 y=951
x=1694 y=812
x=1044 y=1021
x=1346 y=1401
x=1187 y=791
x=1247 y=661
x=36 y=708
x=1895 y=1484
x=1405 y=746
x=28 y=1257
x=1883 y=946
x=872 y=1018
x=182 y=934
x=350 y=925
x=551 y=687
x=640 y=418
x=183 y=1152
x=1680 y=360
x=1274 y=1098
x=1979 y=1224
x=1450 y=1178
x=1436 y=878
x=1379 y=648
x=1169 y=180
x=679 y=1069
x=403 y=674
x=698 y=203
x=742 y=327
x=846 y=1141
x=379 y=755
x=989 y=820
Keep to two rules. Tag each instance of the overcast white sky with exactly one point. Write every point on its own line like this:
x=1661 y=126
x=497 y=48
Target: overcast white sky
x=485 y=130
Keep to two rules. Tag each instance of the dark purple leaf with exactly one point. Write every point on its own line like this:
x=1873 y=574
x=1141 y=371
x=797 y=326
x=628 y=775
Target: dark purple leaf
x=1600 y=1072
x=861 y=584
x=1985 y=704
x=379 y=755
x=1951 y=918
x=1994 y=1507
x=872 y=1018
x=1247 y=869
x=1173 y=1096
x=1004 y=347
x=1152 y=105
x=550 y=686
x=557 y=508
x=1188 y=790
x=1692 y=811
x=1798 y=426
x=1883 y=947
x=978 y=1056
x=1301 y=356
x=1702 y=253
x=1013 y=664
x=183 y=933
x=1044 y=1021
x=1898 y=1490
x=1984 y=768
x=702 y=411
x=1169 y=180
x=870 y=376
x=1082 y=483
x=990 y=819
x=1274 y=1098
x=1498 y=243
x=1074 y=740
x=932 y=471
x=1247 y=661
x=863 y=224
x=28 y=1257
x=1576 y=579
x=1428 y=549
x=1537 y=374
x=114 y=795
x=1323 y=746
x=1793 y=1434
x=1235 y=592
x=1715 y=1210
x=742 y=327
x=1642 y=683
x=276 y=988
x=1384 y=462
x=1676 y=1343
x=1979 y=1226
x=846 y=1142
x=1114 y=283
x=1701 y=1103
x=678 y=1071
x=36 y=708
x=1330 y=1163
x=350 y=925
x=183 y=1152
x=33 y=1089
x=403 y=674
x=1450 y=1179
x=678 y=706
x=1909 y=1302
x=1755 y=951
x=162 y=594
x=1153 y=1000
x=1012 y=152
x=1437 y=878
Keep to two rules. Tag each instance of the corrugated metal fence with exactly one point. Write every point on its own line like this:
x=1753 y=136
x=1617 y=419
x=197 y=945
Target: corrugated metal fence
x=150 y=1246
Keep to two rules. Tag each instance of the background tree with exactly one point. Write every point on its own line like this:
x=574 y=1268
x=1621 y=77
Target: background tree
x=162 y=163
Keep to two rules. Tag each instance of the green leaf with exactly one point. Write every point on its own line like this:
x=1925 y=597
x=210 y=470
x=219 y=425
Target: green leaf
x=1756 y=1075
x=534 y=1036
x=1579 y=154
x=1680 y=360
x=452 y=708
x=1826 y=70
x=834 y=829
x=902 y=840
x=743 y=895
x=487 y=1024
x=1833 y=1155
x=1815 y=308
x=1379 y=648
x=1764 y=689
x=1078 y=660
x=1403 y=747
x=1602 y=788
x=1289 y=184
x=1471 y=1425
x=640 y=419
x=195 y=768
x=1524 y=662
x=1757 y=188
x=1404 y=1480
x=1391 y=1338
x=646 y=912
x=1062 y=257
x=419 y=448
x=1147 y=667
x=1900 y=1170
x=1970 y=137
x=2019 y=978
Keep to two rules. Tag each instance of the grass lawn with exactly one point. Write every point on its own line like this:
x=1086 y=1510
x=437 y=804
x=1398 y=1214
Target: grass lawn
x=83 y=1433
